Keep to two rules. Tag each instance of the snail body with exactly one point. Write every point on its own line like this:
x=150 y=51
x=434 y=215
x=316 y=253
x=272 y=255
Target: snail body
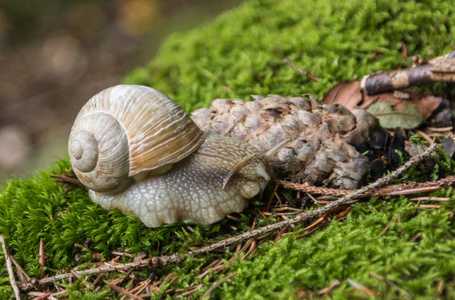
x=192 y=189
x=136 y=150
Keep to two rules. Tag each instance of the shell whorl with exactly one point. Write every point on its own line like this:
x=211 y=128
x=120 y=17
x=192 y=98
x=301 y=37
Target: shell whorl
x=125 y=130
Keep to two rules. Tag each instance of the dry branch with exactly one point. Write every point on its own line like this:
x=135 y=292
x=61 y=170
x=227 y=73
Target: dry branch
x=300 y=71
x=9 y=267
x=327 y=289
x=23 y=277
x=210 y=290
x=122 y=290
x=154 y=261
x=392 y=190
x=440 y=69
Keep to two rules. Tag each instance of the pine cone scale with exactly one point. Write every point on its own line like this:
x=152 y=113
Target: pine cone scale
x=324 y=138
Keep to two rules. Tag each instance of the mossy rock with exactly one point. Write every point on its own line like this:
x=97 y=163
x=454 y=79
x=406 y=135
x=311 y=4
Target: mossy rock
x=239 y=54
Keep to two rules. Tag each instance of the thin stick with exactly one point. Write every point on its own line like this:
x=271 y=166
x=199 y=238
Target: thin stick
x=69 y=180
x=23 y=277
x=391 y=190
x=439 y=199
x=210 y=290
x=327 y=290
x=154 y=261
x=165 y=260
x=300 y=71
x=9 y=267
x=122 y=290
x=387 y=227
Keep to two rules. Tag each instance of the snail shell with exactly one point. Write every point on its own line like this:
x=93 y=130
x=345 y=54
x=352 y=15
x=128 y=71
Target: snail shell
x=125 y=130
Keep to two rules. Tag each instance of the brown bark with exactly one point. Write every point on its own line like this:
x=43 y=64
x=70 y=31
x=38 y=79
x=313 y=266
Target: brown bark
x=440 y=69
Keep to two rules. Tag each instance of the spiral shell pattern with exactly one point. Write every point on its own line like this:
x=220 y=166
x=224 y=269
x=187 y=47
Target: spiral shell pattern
x=125 y=130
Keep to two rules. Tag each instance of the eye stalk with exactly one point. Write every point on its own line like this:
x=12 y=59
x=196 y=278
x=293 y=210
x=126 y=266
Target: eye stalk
x=272 y=152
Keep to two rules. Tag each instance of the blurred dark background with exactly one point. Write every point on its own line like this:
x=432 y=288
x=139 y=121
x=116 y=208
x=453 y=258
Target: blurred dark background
x=56 y=54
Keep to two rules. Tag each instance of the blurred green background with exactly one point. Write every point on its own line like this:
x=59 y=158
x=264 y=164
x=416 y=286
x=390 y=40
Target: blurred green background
x=55 y=54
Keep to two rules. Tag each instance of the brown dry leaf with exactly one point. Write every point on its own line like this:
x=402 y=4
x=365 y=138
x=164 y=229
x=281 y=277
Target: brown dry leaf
x=346 y=93
x=349 y=94
x=425 y=104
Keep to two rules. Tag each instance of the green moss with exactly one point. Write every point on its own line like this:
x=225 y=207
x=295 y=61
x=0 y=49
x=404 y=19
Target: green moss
x=241 y=54
x=352 y=249
x=35 y=208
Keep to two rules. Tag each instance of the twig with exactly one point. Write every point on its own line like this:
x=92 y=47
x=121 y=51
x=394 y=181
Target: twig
x=300 y=71
x=192 y=291
x=415 y=238
x=440 y=69
x=319 y=221
x=325 y=291
x=165 y=260
x=438 y=199
x=122 y=290
x=392 y=190
x=377 y=276
x=430 y=206
x=49 y=295
x=154 y=261
x=307 y=233
x=210 y=290
x=425 y=136
x=9 y=267
x=307 y=188
x=65 y=178
x=439 y=129
x=42 y=258
x=387 y=227
x=363 y=288
x=43 y=297
x=23 y=277
x=272 y=195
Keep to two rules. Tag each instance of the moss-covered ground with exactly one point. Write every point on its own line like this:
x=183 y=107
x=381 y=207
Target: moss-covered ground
x=240 y=54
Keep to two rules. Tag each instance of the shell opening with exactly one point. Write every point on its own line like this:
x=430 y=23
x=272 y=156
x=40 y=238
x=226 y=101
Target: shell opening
x=83 y=150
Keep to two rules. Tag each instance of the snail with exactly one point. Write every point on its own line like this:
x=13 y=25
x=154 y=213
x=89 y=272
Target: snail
x=137 y=150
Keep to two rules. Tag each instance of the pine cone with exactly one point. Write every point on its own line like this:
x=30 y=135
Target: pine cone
x=327 y=141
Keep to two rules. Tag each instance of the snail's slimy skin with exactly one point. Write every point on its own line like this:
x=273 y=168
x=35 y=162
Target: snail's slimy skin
x=192 y=190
